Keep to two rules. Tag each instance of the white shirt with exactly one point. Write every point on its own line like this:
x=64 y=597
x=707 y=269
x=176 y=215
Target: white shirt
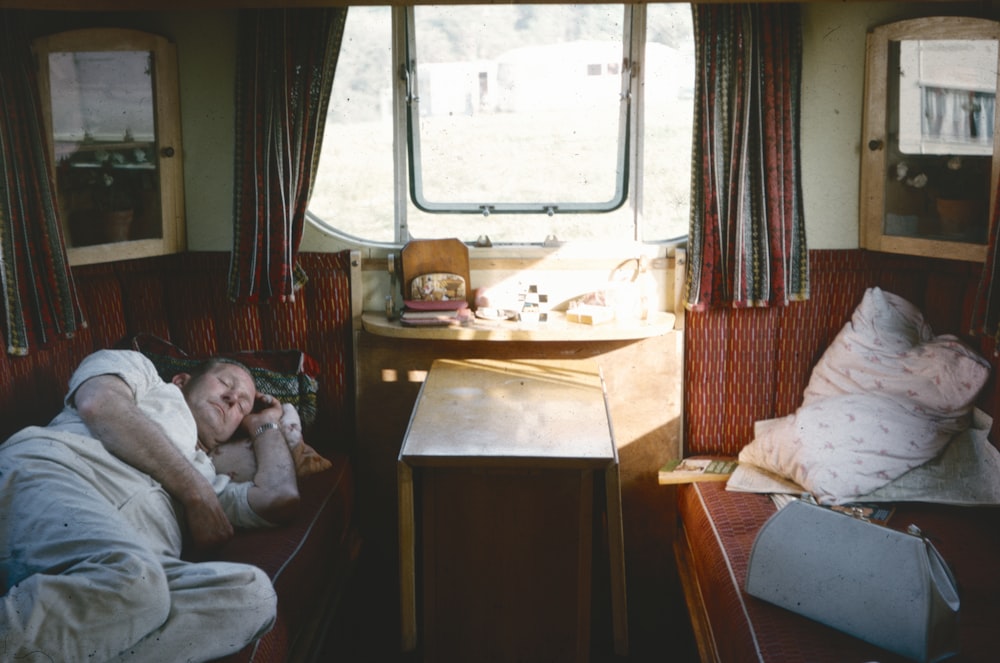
x=164 y=403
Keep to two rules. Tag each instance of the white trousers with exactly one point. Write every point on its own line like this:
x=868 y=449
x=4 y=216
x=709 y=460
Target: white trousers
x=89 y=563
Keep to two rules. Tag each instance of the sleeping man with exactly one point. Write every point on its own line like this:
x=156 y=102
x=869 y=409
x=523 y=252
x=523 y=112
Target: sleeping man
x=94 y=507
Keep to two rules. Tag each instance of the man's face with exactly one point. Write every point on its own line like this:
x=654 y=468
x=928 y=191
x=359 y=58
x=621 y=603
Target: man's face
x=219 y=399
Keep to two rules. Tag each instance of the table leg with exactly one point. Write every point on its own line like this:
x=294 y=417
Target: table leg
x=616 y=556
x=407 y=559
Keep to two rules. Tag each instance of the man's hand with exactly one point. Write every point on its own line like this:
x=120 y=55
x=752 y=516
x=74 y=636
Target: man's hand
x=207 y=523
x=266 y=410
x=106 y=405
x=274 y=495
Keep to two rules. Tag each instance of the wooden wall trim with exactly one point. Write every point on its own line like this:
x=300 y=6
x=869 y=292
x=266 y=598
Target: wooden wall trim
x=176 y=5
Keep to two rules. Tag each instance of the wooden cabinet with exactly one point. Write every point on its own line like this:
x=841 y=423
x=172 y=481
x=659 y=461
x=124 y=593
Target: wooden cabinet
x=110 y=102
x=505 y=458
x=644 y=377
x=929 y=161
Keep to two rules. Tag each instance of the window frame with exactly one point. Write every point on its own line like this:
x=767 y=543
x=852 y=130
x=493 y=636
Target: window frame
x=411 y=94
x=636 y=25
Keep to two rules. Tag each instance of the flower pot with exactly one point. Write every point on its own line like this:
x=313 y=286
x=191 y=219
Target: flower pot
x=114 y=226
x=959 y=216
x=83 y=227
x=89 y=226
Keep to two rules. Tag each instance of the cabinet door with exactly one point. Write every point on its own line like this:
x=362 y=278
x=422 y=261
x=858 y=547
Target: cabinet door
x=929 y=149
x=110 y=101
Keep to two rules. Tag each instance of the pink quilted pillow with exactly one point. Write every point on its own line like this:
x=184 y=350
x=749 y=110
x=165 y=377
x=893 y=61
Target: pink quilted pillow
x=888 y=348
x=886 y=397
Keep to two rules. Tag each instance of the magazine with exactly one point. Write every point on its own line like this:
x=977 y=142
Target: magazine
x=686 y=470
x=873 y=513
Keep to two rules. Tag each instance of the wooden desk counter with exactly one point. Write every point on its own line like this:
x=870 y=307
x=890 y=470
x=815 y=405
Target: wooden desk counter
x=503 y=454
x=556 y=328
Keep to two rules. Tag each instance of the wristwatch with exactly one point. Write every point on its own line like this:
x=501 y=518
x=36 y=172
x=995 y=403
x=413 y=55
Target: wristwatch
x=264 y=428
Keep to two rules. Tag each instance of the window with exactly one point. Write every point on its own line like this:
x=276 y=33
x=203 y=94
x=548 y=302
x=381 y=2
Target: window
x=546 y=134
x=520 y=123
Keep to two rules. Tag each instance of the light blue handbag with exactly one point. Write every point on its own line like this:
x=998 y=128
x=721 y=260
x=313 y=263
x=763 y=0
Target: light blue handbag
x=887 y=587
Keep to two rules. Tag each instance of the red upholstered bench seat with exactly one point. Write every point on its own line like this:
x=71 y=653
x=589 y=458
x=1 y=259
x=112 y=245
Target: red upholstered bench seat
x=321 y=537
x=719 y=528
x=742 y=366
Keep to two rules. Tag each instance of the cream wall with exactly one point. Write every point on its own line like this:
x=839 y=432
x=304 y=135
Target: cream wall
x=833 y=59
x=206 y=52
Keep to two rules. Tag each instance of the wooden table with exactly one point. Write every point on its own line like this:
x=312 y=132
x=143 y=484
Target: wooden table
x=501 y=457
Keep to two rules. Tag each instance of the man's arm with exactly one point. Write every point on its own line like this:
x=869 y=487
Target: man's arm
x=274 y=495
x=107 y=406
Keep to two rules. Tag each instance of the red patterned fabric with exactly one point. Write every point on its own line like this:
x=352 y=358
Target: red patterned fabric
x=39 y=298
x=744 y=365
x=747 y=244
x=285 y=64
x=721 y=526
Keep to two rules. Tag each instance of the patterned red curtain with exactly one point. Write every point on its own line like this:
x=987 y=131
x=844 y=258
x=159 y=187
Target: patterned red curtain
x=285 y=65
x=986 y=309
x=39 y=297
x=747 y=243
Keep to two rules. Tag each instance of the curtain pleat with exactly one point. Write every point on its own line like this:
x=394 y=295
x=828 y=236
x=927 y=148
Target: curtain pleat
x=285 y=66
x=39 y=296
x=746 y=244
x=986 y=309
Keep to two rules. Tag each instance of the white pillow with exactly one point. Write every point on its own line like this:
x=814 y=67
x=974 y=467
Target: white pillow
x=886 y=397
x=844 y=446
x=888 y=348
x=966 y=474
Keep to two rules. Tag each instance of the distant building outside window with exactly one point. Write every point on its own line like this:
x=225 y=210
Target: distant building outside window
x=513 y=122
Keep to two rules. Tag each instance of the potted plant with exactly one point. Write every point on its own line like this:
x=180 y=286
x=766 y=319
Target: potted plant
x=114 y=201
x=958 y=187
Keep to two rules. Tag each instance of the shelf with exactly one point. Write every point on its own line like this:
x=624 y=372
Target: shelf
x=556 y=328
x=104 y=146
x=115 y=166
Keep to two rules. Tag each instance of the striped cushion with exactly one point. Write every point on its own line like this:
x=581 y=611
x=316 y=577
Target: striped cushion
x=288 y=375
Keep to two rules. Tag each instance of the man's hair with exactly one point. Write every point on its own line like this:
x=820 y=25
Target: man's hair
x=209 y=364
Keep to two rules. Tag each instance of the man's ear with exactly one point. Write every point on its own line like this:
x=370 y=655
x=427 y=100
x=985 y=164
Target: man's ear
x=181 y=379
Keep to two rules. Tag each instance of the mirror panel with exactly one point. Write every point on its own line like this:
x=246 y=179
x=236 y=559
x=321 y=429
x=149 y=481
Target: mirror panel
x=930 y=153
x=941 y=104
x=110 y=102
x=104 y=138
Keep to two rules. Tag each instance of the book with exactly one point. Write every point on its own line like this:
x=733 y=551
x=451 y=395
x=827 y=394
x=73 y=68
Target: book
x=444 y=317
x=431 y=315
x=873 y=513
x=434 y=305
x=687 y=470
